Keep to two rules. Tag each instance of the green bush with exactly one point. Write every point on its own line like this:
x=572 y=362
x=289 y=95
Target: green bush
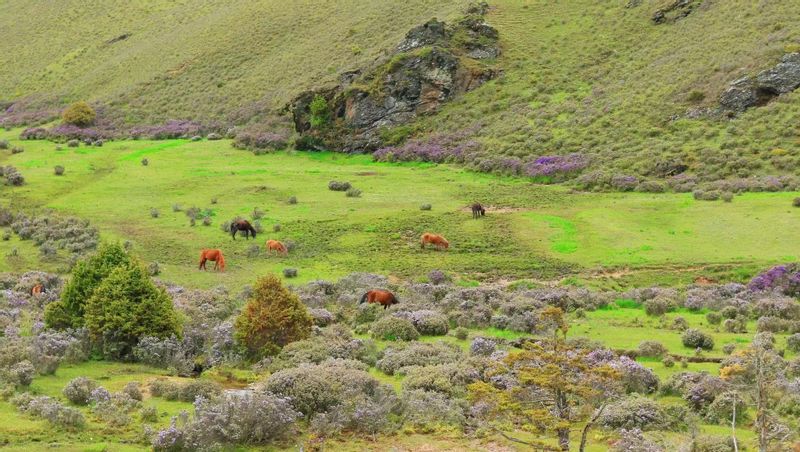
x=272 y=318
x=319 y=111
x=394 y=329
x=714 y=318
x=127 y=306
x=79 y=114
x=695 y=338
x=86 y=276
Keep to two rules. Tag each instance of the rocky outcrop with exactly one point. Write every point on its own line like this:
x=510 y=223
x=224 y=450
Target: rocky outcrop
x=756 y=91
x=675 y=10
x=434 y=63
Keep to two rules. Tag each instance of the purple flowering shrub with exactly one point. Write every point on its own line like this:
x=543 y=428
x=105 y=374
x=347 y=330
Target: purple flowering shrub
x=49 y=409
x=634 y=376
x=169 y=353
x=781 y=278
x=556 y=167
x=451 y=378
x=396 y=357
x=79 y=390
x=260 y=140
x=426 y=321
x=637 y=411
x=425 y=410
x=633 y=440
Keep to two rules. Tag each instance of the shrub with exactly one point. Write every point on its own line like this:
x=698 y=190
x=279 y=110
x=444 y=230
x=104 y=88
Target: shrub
x=727 y=196
x=426 y=410
x=714 y=318
x=322 y=317
x=396 y=357
x=737 y=325
x=353 y=192
x=132 y=390
x=149 y=414
x=338 y=186
x=636 y=412
x=695 y=338
x=721 y=409
x=450 y=378
x=184 y=392
x=292 y=200
x=437 y=277
x=154 y=212
x=213 y=136
x=772 y=324
x=425 y=207
x=75 y=143
x=679 y=323
x=653 y=349
x=461 y=333
x=289 y=272
x=79 y=114
x=668 y=362
x=4 y=144
x=145 y=162
x=793 y=342
x=316 y=388
x=58 y=170
x=168 y=353
x=658 y=306
x=79 y=389
x=427 y=322
x=50 y=409
x=394 y=329
x=21 y=373
x=17 y=150
x=796 y=202
x=481 y=346
x=272 y=318
x=127 y=306
x=633 y=440
x=728 y=348
x=86 y=277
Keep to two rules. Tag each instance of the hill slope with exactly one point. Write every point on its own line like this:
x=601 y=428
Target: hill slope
x=596 y=78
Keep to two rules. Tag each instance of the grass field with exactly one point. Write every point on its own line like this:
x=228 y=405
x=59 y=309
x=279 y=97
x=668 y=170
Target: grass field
x=531 y=232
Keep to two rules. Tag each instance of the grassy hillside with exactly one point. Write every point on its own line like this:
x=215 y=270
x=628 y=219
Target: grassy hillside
x=193 y=59
x=531 y=232
x=595 y=78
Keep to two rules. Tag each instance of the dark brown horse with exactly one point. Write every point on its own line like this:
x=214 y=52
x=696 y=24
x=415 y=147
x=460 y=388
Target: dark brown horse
x=383 y=297
x=214 y=256
x=245 y=226
x=478 y=210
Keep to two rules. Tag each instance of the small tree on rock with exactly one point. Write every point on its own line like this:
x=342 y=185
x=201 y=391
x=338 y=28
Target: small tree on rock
x=272 y=318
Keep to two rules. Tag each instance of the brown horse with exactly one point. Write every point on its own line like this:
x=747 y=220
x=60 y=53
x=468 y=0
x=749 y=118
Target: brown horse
x=214 y=256
x=434 y=239
x=478 y=210
x=242 y=225
x=383 y=297
x=278 y=247
x=37 y=289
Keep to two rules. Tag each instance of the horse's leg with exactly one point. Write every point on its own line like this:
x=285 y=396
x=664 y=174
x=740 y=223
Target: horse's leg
x=216 y=264
x=202 y=264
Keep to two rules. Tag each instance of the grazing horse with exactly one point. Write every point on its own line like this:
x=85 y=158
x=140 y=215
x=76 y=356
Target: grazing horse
x=278 y=247
x=214 y=256
x=37 y=289
x=383 y=297
x=436 y=240
x=242 y=225
x=478 y=210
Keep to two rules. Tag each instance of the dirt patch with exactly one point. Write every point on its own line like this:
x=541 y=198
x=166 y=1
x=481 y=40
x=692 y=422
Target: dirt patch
x=370 y=173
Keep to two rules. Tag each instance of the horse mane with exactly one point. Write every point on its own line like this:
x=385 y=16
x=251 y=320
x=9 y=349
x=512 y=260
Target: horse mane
x=363 y=297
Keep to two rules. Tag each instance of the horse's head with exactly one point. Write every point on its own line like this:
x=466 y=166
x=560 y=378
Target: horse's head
x=445 y=243
x=483 y=211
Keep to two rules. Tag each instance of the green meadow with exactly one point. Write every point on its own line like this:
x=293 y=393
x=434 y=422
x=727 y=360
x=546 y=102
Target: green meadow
x=531 y=232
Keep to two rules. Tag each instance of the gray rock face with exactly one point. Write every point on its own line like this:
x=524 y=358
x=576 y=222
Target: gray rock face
x=426 y=34
x=426 y=70
x=756 y=91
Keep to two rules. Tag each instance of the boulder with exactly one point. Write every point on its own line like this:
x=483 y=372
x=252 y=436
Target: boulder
x=756 y=91
x=426 y=34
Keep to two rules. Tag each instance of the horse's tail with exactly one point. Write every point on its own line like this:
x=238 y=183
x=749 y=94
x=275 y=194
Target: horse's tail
x=363 y=298
x=221 y=262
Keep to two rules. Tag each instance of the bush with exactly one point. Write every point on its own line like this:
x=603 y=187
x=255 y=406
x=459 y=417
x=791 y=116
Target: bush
x=437 y=277
x=132 y=390
x=427 y=322
x=796 y=202
x=426 y=410
x=481 y=346
x=658 y=306
x=17 y=150
x=353 y=193
x=668 y=362
x=636 y=412
x=396 y=357
x=168 y=353
x=653 y=349
x=316 y=388
x=289 y=272
x=322 y=317
x=213 y=136
x=50 y=409
x=21 y=373
x=720 y=411
x=425 y=207
x=272 y=318
x=634 y=441
x=154 y=212
x=73 y=143
x=145 y=162
x=728 y=348
x=394 y=329
x=695 y=338
x=79 y=114
x=679 y=323
x=185 y=392
x=714 y=318
x=4 y=144
x=339 y=186
x=127 y=306
x=727 y=196
x=793 y=342
x=58 y=170
x=292 y=200
x=461 y=333
x=451 y=378
x=149 y=414
x=79 y=389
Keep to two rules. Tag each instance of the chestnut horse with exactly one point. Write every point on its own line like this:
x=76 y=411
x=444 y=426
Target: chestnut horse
x=37 y=289
x=478 y=210
x=214 y=256
x=278 y=247
x=245 y=226
x=383 y=297
x=436 y=240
